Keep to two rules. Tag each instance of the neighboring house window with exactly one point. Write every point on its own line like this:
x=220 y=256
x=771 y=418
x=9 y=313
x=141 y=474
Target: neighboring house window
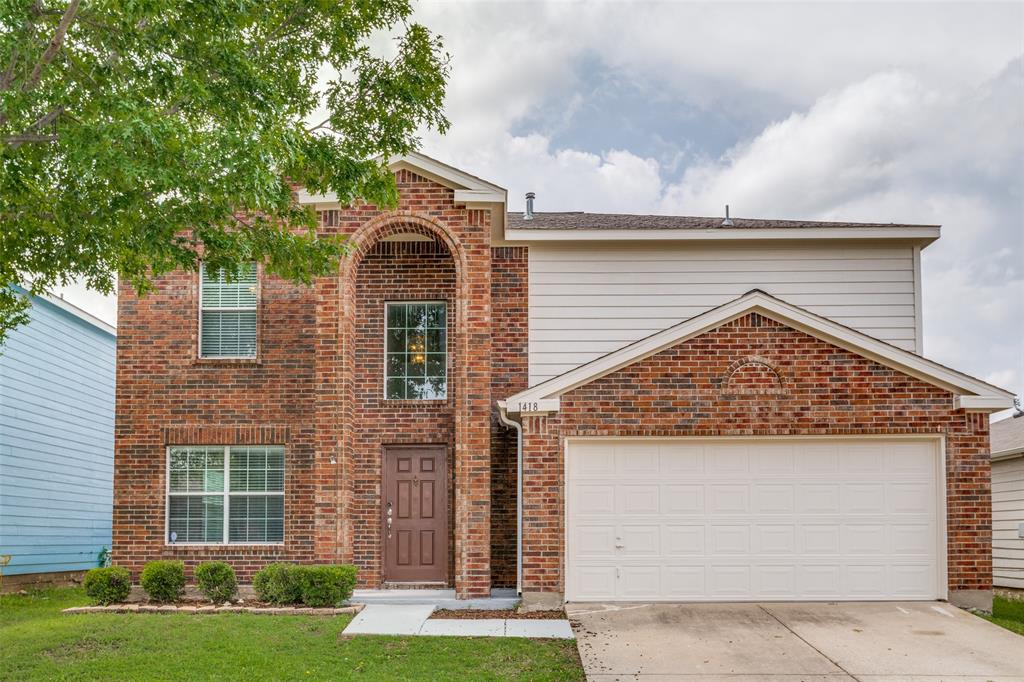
x=237 y=488
x=227 y=320
x=416 y=365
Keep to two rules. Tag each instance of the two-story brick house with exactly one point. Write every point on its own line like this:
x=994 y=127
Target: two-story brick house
x=586 y=406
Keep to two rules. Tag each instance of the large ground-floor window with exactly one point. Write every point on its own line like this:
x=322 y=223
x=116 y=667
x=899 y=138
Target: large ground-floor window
x=230 y=494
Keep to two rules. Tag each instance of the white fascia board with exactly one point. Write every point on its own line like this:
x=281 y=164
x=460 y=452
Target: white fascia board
x=983 y=403
x=479 y=196
x=1007 y=454
x=924 y=235
x=468 y=188
x=798 y=318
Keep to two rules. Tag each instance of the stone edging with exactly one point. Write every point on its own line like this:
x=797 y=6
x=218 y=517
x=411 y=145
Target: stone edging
x=265 y=610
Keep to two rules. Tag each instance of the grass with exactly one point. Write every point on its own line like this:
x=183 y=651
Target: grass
x=1008 y=613
x=38 y=642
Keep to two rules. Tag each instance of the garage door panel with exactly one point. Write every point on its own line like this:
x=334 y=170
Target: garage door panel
x=864 y=539
x=866 y=581
x=775 y=539
x=682 y=499
x=863 y=459
x=776 y=581
x=818 y=498
x=678 y=459
x=590 y=499
x=634 y=500
x=911 y=498
x=683 y=581
x=862 y=498
x=683 y=540
x=782 y=519
x=912 y=539
x=594 y=540
x=817 y=459
x=728 y=460
x=820 y=539
x=640 y=540
x=729 y=580
x=773 y=499
x=639 y=582
x=728 y=499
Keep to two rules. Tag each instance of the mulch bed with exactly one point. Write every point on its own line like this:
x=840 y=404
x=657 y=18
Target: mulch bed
x=504 y=614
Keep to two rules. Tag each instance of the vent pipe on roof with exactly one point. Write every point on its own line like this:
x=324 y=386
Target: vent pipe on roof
x=728 y=221
x=528 y=213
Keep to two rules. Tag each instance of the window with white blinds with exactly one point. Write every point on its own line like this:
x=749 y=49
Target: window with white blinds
x=227 y=313
x=225 y=494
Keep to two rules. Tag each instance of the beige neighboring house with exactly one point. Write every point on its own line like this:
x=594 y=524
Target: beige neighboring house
x=1008 y=502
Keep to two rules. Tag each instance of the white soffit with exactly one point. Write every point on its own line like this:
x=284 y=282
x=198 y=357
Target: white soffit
x=972 y=394
x=922 y=235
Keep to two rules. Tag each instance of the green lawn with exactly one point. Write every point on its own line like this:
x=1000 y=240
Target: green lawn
x=1009 y=613
x=38 y=642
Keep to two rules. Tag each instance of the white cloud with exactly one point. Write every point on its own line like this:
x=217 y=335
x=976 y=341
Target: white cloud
x=908 y=112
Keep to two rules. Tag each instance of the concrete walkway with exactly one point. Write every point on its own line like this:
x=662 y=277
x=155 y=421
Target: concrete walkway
x=872 y=642
x=414 y=619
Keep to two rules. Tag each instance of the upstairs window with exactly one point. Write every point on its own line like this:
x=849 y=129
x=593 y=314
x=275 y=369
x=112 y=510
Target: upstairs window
x=225 y=495
x=416 y=358
x=227 y=313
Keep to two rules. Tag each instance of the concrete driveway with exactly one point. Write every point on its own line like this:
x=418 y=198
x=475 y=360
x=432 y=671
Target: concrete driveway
x=812 y=642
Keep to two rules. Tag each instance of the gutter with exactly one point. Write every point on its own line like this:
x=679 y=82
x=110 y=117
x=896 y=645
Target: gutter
x=503 y=416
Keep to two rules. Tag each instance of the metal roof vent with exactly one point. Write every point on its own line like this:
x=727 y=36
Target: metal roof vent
x=728 y=221
x=528 y=213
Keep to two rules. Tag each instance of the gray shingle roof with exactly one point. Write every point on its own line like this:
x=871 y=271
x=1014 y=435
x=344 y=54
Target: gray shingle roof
x=578 y=220
x=1007 y=435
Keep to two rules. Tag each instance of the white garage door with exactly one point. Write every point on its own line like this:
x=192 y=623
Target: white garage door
x=737 y=519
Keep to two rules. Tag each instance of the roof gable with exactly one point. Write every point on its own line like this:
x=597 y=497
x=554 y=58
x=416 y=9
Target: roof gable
x=469 y=189
x=972 y=394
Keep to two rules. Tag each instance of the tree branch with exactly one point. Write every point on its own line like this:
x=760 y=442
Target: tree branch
x=18 y=140
x=54 y=47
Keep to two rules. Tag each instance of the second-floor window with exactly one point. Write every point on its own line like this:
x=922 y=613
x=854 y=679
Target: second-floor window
x=416 y=358
x=227 y=313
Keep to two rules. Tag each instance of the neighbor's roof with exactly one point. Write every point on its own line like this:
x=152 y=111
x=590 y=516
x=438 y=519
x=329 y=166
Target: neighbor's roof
x=1007 y=436
x=579 y=220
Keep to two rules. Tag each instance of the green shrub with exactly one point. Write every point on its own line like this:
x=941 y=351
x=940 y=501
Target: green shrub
x=108 y=585
x=327 y=585
x=216 y=580
x=164 y=581
x=278 y=584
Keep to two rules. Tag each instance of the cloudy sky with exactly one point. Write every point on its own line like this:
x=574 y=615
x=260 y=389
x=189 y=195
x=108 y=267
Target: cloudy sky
x=863 y=111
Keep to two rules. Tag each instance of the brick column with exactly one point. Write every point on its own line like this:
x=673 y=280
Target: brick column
x=543 y=522
x=473 y=415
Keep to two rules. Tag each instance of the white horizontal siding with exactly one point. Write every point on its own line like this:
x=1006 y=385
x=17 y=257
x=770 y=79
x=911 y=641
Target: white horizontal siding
x=588 y=300
x=1007 y=514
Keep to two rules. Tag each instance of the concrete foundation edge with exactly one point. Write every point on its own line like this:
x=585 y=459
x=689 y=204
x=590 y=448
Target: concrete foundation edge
x=542 y=601
x=980 y=600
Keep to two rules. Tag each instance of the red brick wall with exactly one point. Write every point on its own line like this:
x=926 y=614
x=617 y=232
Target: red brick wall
x=166 y=396
x=709 y=386
x=509 y=375
x=393 y=271
x=312 y=390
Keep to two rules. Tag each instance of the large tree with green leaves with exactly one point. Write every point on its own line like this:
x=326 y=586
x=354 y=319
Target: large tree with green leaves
x=136 y=134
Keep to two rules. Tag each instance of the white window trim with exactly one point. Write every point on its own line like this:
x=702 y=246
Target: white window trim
x=228 y=309
x=224 y=493
x=384 y=350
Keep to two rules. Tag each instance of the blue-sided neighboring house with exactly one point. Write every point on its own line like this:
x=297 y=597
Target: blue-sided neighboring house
x=56 y=444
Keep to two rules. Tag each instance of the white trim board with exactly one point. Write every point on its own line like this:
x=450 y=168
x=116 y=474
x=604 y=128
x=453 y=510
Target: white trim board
x=922 y=235
x=972 y=394
x=469 y=189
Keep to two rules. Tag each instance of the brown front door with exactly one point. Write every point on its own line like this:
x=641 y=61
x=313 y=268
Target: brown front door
x=414 y=513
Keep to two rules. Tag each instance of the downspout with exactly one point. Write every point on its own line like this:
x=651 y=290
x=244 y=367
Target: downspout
x=503 y=416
